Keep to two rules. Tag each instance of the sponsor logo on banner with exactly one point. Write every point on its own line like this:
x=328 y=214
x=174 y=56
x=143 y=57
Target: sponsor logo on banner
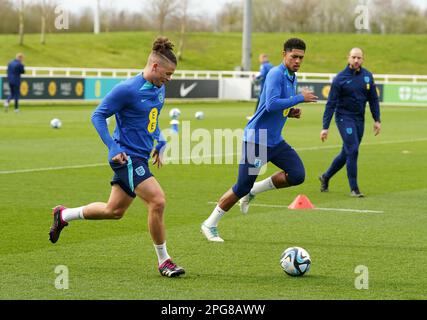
x=190 y=89
x=183 y=91
x=24 y=88
x=98 y=88
x=66 y=89
x=52 y=88
x=38 y=88
x=405 y=93
x=325 y=91
x=79 y=89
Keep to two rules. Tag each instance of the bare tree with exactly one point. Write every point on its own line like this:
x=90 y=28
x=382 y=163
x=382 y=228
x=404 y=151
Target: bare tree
x=161 y=9
x=107 y=11
x=7 y=17
x=43 y=22
x=21 y=22
x=230 y=17
x=392 y=16
x=333 y=16
x=183 y=13
x=268 y=15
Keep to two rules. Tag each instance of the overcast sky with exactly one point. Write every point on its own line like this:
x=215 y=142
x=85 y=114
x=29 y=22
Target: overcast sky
x=209 y=7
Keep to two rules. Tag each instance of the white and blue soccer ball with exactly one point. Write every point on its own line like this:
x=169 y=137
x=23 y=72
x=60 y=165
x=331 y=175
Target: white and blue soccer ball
x=174 y=113
x=56 y=123
x=295 y=261
x=199 y=115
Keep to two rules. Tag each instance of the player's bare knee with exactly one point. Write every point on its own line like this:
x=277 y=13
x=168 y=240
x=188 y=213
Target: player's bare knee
x=280 y=180
x=119 y=213
x=115 y=213
x=158 y=204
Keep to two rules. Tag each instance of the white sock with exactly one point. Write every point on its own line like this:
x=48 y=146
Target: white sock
x=70 y=214
x=214 y=218
x=162 y=252
x=264 y=185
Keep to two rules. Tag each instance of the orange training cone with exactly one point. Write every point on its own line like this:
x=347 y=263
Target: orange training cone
x=301 y=202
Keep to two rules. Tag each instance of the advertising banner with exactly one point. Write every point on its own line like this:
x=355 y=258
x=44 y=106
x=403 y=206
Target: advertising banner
x=97 y=88
x=189 y=89
x=405 y=93
x=320 y=89
x=48 y=88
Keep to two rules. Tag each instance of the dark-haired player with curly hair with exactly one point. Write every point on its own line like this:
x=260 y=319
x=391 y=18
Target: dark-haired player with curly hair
x=263 y=142
x=136 y=104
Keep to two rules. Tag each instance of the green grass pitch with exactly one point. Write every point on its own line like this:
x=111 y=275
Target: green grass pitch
x=116 y=260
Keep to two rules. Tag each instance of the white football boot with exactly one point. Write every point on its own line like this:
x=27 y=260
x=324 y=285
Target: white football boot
x=244 y=202
x=211 y=233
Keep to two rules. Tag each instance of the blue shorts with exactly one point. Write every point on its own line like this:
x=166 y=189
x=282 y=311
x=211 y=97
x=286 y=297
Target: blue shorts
x=129 y=175
x=281 y=155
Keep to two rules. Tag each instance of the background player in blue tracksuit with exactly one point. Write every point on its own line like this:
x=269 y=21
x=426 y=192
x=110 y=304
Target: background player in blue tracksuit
x=263 y=141
x=14 y=70
x=351 y=89
x=136 y=104
x=265 y=67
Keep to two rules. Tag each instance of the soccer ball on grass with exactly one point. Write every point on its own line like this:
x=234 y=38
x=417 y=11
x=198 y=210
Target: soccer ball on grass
x=199 y=115
x=174 y=113
x=295 y=261
x=55 y=123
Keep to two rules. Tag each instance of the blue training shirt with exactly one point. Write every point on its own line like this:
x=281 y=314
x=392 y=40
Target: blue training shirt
x=350 y=91
x=136 y=104
x=278 y=96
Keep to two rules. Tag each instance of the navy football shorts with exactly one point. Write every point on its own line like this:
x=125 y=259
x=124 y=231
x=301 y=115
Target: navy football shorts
x=282 y=156
x=129 y=175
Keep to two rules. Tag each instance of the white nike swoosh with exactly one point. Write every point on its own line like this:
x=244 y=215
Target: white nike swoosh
x=185 y=91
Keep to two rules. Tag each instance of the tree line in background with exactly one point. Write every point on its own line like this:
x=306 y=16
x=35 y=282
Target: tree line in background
x=385 y=16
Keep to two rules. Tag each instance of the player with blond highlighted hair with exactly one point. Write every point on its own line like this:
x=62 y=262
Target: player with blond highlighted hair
x=136 y=104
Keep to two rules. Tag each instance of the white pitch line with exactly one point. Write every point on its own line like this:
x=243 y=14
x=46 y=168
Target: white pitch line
x=348 y=210
x=315 y=208
x=203 y=157
x=54 y=168
x=363 y=144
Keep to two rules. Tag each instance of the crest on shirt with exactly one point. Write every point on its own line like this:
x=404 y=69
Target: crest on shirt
x=367 y=79
x=161 y=98
x=349 y=130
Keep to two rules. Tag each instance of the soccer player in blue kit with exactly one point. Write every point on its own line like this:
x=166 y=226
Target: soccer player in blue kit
x=136 y=104
x=350 y=90
x=263 y=142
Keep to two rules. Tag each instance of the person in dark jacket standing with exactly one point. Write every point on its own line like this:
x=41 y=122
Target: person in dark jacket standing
x=350 y=90
x=14 y=70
